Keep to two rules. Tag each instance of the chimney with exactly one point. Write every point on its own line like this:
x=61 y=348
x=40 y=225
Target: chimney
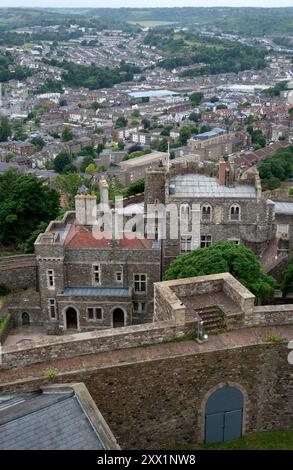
x=85 y=209
x=222 y=172
x=104 y=192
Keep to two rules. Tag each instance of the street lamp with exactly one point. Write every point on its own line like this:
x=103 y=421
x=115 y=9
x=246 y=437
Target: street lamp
x=201 y=336
x=200 y=329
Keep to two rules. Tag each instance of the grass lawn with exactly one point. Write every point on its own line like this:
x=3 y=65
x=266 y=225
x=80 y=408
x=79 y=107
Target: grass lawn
x=276 y=440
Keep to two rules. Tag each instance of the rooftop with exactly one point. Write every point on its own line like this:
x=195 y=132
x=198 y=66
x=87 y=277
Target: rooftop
x=143 y=160
x=284 y=208
x=59 y=418
x=81 y=237
x=97 y=291
x=152 y=94
x=200 y=186
x=208 y=135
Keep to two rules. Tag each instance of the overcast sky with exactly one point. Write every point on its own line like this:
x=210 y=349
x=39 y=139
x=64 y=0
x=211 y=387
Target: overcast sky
x=143 y=3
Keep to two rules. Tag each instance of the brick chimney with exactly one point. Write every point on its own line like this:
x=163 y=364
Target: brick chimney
x=222 y=172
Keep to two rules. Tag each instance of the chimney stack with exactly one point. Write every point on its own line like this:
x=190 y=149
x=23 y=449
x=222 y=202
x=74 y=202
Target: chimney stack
x=85 y=209
x=222 y=172
x=104 y=192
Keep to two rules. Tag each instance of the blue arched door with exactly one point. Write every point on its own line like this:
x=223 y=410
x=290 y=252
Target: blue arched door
x=224 y=415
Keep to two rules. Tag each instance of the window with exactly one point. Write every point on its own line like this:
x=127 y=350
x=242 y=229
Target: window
x=52 y=309
x=139 y=307
x=96 y=275
x=235 y=212
x=140 y=282
x=94 y=313
x=50 y=278
x=205 y=240
x=186 y=244
x=206 y=213
x=234 y=240
x=119 y=276
x=184 y=211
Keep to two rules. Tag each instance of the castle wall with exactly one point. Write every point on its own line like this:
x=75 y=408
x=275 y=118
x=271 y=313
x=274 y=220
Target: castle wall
x=159 y=403
x=18 y=272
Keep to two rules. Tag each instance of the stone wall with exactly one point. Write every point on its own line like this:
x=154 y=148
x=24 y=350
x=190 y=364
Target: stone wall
x=273 y=315
x=93 y=342
x=18 y=272
x=156 y=404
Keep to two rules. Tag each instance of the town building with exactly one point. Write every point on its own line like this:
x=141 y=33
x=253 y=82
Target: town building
x=213 y=144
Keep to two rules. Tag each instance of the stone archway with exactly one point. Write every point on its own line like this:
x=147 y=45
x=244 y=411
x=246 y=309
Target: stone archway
x=71 y=316
x=118 y=316
x=224 y=415
x=25 y=319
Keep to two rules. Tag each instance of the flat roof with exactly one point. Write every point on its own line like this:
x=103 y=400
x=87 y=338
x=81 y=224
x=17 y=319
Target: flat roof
x=152 y=93
x=143 y=160
x=200 y=186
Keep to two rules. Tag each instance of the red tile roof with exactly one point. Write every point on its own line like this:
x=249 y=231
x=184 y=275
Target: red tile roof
x=81 y=237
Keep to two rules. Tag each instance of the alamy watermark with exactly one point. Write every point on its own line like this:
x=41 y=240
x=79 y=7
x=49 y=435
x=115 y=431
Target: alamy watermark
x=156 y=221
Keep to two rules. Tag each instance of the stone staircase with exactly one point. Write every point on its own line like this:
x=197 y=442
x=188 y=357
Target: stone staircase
x=213 y=318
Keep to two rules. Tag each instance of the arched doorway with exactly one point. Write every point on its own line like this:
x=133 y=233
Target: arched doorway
x=118 y=318
x=71 y=318
x=25 y=319
x=224 y=415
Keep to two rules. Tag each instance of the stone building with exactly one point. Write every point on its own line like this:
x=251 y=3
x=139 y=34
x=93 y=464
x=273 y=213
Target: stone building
x=221 y=205
x=84 y=281
x=213 y=144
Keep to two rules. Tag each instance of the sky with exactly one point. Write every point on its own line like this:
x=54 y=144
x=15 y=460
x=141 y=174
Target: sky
x=144 y=3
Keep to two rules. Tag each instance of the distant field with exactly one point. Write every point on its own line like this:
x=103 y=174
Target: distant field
x=151 y=24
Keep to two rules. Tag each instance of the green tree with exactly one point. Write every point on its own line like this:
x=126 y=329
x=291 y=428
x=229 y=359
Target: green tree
x=91 y=169
x=195 y=117
x=196 y=98
x=121 y=122
x=287 y=284
x=87 y=160
x=95 y=105
x=5 y=129
x=69 y=184
x=224 y=256
x=184 y=134
x=136 y=187
x=62 y=159
x=25 y=202
x=121 y=145
x=28 y=245
x=38 y=142
x=67 y=134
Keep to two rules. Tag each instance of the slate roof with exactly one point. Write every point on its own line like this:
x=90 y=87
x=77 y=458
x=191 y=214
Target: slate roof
x=97 y=291
x=199 y=186
x=284 y=208
x=45 y=421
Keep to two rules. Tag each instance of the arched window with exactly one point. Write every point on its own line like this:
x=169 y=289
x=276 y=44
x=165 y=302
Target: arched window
x=206 y=213
x=235 y=212
x=184 y=211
